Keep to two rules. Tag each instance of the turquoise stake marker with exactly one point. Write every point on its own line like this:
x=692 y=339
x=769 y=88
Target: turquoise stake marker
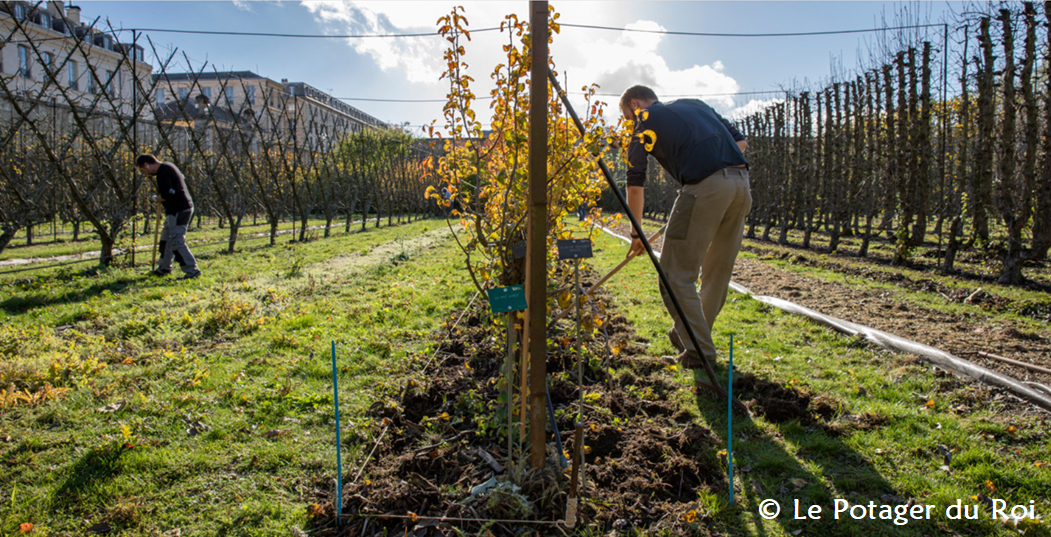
x=730 y=419
x=339 y=461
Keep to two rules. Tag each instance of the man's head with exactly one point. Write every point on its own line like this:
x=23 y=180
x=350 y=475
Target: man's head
x=634 y=98
x=147 y=163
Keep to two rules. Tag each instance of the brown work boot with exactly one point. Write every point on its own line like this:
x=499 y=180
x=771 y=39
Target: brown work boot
x=673 y=336
x=688 y=360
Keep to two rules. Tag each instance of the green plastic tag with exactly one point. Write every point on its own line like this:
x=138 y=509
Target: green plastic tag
x=505 y=299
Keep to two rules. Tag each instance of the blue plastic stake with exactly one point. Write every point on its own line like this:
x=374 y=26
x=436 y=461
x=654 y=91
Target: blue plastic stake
x=339 y=461
x=730 y=419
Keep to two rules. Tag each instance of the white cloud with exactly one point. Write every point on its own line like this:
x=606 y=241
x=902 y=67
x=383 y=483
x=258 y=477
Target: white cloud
x=753 y=106
x=614 y=60
x=419 y=57
x=632 y=58
x=243 y=5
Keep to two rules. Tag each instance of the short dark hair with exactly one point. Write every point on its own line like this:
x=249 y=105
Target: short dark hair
x=145 y=159
x=642 y=93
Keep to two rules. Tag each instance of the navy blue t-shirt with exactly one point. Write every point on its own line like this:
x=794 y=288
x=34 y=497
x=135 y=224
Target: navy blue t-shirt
x=171 y=187
x=692 y=142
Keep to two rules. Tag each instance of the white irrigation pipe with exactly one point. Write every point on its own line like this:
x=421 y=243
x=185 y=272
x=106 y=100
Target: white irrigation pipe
x=940 y=358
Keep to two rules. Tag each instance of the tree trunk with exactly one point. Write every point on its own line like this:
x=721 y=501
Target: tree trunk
x=985 y=142
x=835 y=180
x=6 y=234
x=1042 y=188
x=1012 y=195
x=923 y=145
x=235 y=226
x=953 y=246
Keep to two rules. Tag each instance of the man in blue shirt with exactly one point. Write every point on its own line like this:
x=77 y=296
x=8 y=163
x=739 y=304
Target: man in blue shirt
x=704 y=153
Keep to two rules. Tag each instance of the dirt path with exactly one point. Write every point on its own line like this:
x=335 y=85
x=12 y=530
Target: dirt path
x=961 y=334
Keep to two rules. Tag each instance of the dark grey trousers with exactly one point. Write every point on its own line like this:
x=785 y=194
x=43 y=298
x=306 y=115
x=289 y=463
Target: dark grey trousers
x=173 y=243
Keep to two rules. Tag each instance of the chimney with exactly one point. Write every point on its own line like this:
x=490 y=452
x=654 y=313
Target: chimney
x=56 y=8
x=73 y=14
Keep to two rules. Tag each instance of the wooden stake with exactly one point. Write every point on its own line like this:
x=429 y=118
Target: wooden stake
x=156 y=232
x=536 y=240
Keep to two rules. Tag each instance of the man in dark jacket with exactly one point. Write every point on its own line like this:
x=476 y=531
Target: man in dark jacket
x=178 y=208
x=704 y=153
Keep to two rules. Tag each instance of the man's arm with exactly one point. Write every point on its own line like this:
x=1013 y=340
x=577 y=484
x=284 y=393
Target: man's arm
x=636 y=200
x=164 y=182
x=742 y=144
x=737 y=136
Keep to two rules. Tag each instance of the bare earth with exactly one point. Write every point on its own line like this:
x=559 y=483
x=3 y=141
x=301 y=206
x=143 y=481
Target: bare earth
x=961 y=334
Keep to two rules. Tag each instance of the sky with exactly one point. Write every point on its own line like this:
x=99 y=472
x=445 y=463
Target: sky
x=733 y=74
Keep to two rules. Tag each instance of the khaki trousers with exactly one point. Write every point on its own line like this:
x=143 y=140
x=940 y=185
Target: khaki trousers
x=703 y=238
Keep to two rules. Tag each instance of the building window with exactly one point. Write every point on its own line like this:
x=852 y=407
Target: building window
x=183 y=93
x=160 y=96
x=229 y=96
x=47 y=59
x=207 y=92
x=109 y=84
x=45 y=20
x=20 y=12
x=92 y=88
x=23 y=61
x=71 y=70
x=250 y=94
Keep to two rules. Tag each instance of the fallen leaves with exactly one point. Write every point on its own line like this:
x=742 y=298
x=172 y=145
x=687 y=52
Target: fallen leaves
x=25 y=527
x=101 y=527
x=113 y=407
x=946 y=453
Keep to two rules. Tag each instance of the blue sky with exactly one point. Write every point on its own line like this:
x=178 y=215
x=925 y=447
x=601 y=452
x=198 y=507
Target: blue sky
x=408 y=68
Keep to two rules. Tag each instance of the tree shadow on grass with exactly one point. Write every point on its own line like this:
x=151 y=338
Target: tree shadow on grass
x=31 y=301
x=768 y=464
x=89 y=475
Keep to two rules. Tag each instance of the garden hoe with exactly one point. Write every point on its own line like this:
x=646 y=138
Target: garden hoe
x=156 y=232
x=712 y=387
x=598 y=284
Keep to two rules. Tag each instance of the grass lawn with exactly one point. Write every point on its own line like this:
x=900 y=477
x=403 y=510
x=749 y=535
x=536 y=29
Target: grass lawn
x=879 y=445
x=145 y=406
x=45 y=245
x=205 y=406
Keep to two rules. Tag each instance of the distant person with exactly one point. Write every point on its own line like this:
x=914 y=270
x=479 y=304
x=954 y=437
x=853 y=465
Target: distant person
x=704 y=153
x=178 y=208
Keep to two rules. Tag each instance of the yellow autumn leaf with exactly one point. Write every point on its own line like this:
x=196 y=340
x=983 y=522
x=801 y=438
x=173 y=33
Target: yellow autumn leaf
x=565 y=299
